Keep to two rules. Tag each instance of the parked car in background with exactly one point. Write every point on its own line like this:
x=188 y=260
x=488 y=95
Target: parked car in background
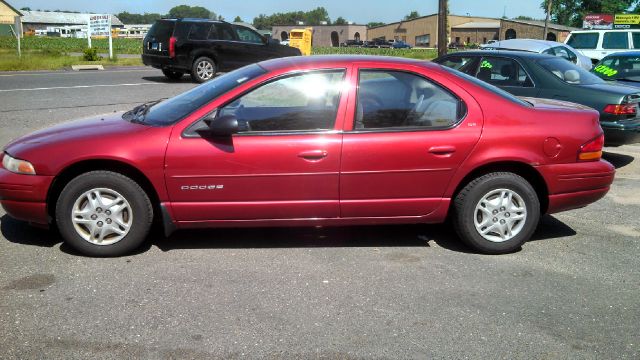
x=202 y=47
x=543 y=47
x=622 y=67
x=597 y=44
x=377 y=43
x=352 y=43
x=545 y=76
x=400 y=45
x=290 y=142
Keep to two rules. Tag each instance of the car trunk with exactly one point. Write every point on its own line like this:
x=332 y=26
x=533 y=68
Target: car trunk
x=157 y=40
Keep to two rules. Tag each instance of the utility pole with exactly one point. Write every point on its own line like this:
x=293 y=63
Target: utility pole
x=442 y=27
x=546 y=20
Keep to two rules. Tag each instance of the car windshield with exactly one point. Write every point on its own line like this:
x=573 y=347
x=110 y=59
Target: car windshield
x=170 y=111
x=487 y=86
x=569 y=72
x=618 y=68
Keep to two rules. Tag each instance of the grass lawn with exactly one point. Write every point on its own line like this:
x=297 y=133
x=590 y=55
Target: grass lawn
x=44 y=60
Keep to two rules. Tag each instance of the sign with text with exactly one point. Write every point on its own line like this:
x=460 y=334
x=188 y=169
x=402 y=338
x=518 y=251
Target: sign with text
x=627 y=21
x=598 y=21
x=100 y=25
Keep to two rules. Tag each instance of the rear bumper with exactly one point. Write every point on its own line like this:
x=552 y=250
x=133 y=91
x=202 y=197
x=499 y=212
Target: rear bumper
x=620 y=133
x=576 y=185
x=24 y=196
x=158 y=61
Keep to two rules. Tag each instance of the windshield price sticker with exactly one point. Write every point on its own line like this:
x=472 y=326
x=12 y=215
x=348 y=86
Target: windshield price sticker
x=605 y=70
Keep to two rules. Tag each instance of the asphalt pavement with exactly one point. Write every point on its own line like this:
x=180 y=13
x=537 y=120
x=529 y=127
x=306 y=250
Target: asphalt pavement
x=380 y=292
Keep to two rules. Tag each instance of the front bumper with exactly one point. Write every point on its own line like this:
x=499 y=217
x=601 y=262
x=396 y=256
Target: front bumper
x=24 y=197
x=576 y=185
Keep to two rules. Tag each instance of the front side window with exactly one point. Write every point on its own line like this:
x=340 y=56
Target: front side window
x=248 y=35
x=636 y=39
x=303 y=102
x=583 y=40
x=394 y=99
x=503 y=72
x=615 y=40
x=462 y=63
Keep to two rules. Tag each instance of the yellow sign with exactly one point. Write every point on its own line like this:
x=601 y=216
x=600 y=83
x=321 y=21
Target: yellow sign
x=301 y=39
x=627 y=19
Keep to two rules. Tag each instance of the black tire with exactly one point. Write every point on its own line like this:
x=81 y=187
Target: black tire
x=173 y=75
x=464 y=214
x=200 y=77
x=139 y=216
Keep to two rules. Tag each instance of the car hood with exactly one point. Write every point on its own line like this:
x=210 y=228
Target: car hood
x=94 y=128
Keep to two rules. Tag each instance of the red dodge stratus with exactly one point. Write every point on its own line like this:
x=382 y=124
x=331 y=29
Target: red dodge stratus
x=312 y=141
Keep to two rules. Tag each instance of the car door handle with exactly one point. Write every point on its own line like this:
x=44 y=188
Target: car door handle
x=442 y=150
x=313 y=155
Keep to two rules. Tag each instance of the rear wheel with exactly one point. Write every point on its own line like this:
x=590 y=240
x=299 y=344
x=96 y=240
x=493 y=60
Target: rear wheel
x=496 y=213
x=102 y=213
x=203 y=69
x=173 y=75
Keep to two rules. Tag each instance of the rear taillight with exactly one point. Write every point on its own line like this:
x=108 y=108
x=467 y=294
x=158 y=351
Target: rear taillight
x=592 y=150
x=621 y=109
x=172 y=47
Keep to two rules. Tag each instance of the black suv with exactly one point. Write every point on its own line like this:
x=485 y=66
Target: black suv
x=203 y=47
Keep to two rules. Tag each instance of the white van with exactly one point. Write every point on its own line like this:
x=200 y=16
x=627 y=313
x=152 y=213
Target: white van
x=597 y=44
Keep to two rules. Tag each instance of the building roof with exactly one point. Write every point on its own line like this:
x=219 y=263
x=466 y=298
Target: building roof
x=11 y=7
x=61 y=18
x=478 y=25
x=524 y=44
x=541 y=24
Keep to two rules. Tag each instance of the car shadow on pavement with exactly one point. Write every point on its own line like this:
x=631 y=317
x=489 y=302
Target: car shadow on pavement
x=443 y=235
x=163 y=79
x=617 y=160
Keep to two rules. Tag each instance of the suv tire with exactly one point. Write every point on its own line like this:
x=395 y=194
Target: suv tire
x=496 y=213
x=203 y=69
x=103 y=213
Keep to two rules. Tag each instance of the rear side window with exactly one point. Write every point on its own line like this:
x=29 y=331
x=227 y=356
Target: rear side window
x=162 y=29
x=395 y=99
x=224 y=32
x=583 y=40
x=503 y=72
x=615 y=40
x=199 y=31
x=488 y=87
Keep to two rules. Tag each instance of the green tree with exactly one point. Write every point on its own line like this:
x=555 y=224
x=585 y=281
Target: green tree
x=186 y=11
x=237 y=19
x=146 y=18
x=412 y=15
x=571 y=12
x=340 y=21
x=26 y=8
x=313 y=17
x=374 y=24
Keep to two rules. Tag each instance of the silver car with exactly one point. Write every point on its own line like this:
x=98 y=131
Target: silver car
x=543 y=47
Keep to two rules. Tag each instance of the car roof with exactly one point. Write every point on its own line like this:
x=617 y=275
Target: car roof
x=625 y=53
x=526 y=44
x=318 y=61
x=506 y=53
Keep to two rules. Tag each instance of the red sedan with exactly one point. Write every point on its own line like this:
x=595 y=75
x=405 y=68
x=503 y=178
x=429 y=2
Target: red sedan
x=312 y=141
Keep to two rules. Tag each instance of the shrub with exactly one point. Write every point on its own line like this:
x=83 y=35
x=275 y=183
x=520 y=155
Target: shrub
x=91 y=54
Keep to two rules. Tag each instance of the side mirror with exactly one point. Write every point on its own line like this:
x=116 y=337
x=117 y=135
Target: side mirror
x=223 y=126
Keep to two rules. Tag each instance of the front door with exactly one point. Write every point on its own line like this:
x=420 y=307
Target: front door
x=283 y=164
x=408 y=138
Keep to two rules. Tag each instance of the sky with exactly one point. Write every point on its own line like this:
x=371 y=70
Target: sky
x=358 y=12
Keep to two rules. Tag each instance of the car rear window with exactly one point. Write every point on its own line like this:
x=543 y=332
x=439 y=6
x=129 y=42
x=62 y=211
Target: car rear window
x=176 y=108
x=503 y=94
x=583 y=40
x=162 y=29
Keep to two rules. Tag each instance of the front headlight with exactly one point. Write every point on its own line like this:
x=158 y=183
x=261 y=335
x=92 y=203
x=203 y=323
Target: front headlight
x=17 y=166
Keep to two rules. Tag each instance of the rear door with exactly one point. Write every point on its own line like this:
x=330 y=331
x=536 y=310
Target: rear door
x=157 y=40
x=254 y=47
x=405 y=136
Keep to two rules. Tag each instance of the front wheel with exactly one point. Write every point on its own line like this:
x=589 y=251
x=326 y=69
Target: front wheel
x=102 y=213
x=203 y=69
x=496 y=213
